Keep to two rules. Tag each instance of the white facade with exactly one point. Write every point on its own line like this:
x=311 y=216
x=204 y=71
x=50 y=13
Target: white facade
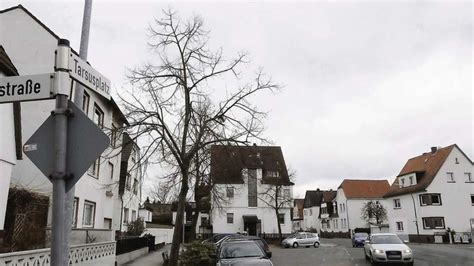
x=238 y=207
x=349 y=211
x=7 y=155
x=456 y=207
x=132 y=192
x=97 y=201
x=311 y=218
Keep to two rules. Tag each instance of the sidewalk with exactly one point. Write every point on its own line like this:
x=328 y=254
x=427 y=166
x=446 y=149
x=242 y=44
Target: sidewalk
x=153 y=258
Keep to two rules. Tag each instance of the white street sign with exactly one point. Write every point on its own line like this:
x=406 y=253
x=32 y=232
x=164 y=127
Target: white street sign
x=83 y=73
x=26 y=88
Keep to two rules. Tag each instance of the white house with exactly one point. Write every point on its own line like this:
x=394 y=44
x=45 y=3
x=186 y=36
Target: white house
x=297 y=217
x=328 y=215
x=8 y=153
x=433 y=192
x=311 y=210
x=352 y=194
x=97 y=199
x=247 y=178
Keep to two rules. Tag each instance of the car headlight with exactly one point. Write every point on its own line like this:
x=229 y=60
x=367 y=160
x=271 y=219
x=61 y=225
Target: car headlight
x=406 y=251
x=378 y=251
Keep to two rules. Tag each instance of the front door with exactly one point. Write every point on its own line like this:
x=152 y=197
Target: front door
x=251 y=228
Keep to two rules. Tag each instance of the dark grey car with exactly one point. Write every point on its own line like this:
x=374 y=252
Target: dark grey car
x=241 y=252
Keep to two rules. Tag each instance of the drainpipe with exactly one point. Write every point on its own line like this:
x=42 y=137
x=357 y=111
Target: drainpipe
x=121 y=213
x=347 y=214
x=416 y=216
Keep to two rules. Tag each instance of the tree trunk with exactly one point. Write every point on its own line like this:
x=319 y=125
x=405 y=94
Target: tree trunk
x=178 y=226
x=279 y=226
x=195 y=220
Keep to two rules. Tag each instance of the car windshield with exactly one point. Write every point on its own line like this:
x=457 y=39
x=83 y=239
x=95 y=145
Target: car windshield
x=385 y=239
x=231 y=250
x=361 y=235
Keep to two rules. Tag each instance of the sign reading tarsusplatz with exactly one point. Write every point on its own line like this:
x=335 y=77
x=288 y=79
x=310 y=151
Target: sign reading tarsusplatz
x=26 y=88
x=83 y=73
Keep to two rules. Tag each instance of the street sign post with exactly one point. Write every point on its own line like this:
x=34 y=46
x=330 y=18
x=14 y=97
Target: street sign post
x=83 y=73
x=85 y=143
x=26 y=88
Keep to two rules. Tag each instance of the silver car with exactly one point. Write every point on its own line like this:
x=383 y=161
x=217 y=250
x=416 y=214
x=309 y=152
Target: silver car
x=387 y=248
x=301 y=239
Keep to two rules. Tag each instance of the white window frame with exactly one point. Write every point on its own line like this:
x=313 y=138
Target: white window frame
x=279 y=215
x=125 y=215
x=230 y=218
x=397 y=204
x=468 y=177
x=84 y=222
x=450 y=177
x=424 y=219
x=422 y=203
x=399 y=225
x=229 y=192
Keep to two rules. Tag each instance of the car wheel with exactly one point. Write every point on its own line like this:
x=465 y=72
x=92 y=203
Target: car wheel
x=411 y=263
x=295 y=245
x=372 y=260
x=316 y=244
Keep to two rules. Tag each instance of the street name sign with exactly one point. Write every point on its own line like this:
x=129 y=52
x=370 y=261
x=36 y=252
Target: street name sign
x=85 y=143
x=83 y=73
x=26 y=88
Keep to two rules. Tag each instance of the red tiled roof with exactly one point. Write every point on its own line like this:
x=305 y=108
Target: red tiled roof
x=426 y=166
x=367 y=189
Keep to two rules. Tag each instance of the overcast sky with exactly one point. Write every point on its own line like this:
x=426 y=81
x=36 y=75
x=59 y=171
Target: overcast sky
x=366 y=85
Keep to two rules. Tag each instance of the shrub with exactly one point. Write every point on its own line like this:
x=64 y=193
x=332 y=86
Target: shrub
x=135 y=228
x=198 y=254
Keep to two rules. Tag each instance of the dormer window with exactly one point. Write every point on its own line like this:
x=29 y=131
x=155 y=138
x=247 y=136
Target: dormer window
x=411 y=180
x=273 y=174
x=401 y=182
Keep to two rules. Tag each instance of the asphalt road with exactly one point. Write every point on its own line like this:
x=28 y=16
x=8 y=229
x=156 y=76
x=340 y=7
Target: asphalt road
x=339 y=252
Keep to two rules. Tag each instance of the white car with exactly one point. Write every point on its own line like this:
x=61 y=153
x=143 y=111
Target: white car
x=301 y=239
x=387 y=248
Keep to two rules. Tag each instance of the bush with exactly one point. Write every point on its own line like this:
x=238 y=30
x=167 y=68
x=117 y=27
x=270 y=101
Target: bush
x=135 y=228
x=198 y=254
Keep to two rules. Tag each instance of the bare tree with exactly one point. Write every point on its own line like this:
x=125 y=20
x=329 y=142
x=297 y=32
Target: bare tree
x=374 y=211
x=277 y=195
x=171 y=109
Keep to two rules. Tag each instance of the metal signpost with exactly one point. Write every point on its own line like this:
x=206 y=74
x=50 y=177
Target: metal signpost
x=68 y=142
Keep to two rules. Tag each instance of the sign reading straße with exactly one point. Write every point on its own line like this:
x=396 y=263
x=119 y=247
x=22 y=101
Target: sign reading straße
x=83 y=73
x=26 y=88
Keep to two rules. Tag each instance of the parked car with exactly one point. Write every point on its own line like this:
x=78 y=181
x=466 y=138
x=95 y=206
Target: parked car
x=238 y=252
x=358 y=239
x=301 y=239
x=387 y=248
x=215 y=238
x=260 y=241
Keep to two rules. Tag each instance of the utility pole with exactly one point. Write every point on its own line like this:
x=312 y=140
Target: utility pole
x=78 y=96
x=58 y=178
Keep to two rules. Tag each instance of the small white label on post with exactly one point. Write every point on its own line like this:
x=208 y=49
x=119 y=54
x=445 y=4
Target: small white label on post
x=30 y=147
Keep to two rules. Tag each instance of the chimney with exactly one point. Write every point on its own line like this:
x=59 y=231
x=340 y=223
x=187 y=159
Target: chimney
x=433 y=150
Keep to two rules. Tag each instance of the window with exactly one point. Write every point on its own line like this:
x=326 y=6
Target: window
x=450 y=177
x=89 y=214
x=310 y=212
x=230 y=192
x=85 y=102
x=281 y=218
x=135 y=186
x=411 y=180
x=125 y=215
x=430 y=199
x=396 y=204
x=75 y=208
x=113 y=136
x=128 y=182
x=472 y=199
x=468 y=177
x=98 y=116
x=399 y=226
x=252 y=188
x=111 y=170
x=286 y=193
x=134 y=215
x=230 y=218
x=204 y=221
x=273 y=174
x=456 y=161
x=324 y=210
x=94 y=168
x=304 y=213
x=433 y=222
x=401 y=182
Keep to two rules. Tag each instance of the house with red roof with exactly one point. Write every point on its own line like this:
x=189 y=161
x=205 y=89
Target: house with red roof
x=351 y=196
x=433 y=193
